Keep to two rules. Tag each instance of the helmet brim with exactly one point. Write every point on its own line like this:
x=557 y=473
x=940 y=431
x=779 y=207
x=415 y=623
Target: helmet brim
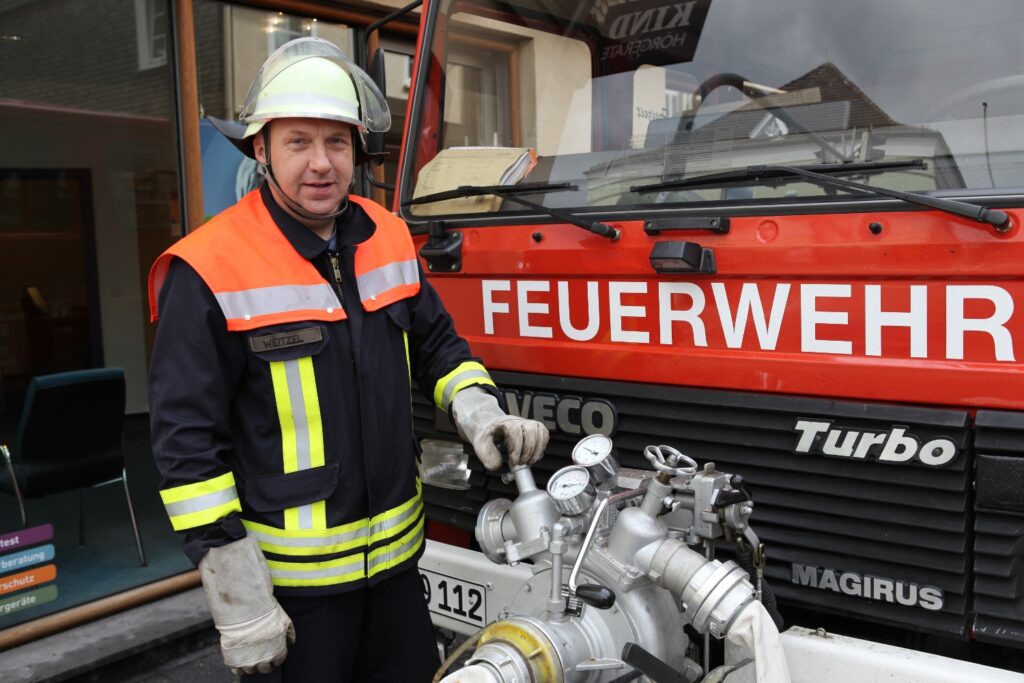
x=235 y=133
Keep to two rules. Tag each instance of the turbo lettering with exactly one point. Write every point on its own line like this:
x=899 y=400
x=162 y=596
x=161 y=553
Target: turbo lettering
x=895 y=446
x=871 y=587
x=977 y=323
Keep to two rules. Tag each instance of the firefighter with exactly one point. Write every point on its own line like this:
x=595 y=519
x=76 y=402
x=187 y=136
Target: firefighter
x=291 y=328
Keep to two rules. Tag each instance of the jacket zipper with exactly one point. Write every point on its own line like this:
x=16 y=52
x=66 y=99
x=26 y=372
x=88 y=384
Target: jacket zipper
x=337 y=277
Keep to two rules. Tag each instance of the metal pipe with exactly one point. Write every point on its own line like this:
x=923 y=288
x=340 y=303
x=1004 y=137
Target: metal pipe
x=61 y=621
x=614 y=498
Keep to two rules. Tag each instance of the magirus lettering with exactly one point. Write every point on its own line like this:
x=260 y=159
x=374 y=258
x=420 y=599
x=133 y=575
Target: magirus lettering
x=872 y=587
x=566 y=414
x=895 y=446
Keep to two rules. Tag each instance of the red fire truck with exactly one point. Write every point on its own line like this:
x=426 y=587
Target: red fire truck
x=783 y=236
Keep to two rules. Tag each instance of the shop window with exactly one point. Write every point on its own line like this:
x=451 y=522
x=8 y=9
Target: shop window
x=88 y=197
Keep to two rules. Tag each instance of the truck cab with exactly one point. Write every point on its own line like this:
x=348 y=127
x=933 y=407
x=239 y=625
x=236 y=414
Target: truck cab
x=780 y=236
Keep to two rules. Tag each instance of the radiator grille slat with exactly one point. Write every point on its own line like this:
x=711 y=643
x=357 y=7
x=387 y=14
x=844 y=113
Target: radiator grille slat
x=999 y=539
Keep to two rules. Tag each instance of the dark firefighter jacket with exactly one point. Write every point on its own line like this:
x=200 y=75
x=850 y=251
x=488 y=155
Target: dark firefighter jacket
x=280 y=390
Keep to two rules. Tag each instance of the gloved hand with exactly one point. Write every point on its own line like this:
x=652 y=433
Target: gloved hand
x=254 y=631
x=482 y=422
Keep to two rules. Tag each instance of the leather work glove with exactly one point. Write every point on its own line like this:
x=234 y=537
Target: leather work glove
x=482 y=422
x=254 y=631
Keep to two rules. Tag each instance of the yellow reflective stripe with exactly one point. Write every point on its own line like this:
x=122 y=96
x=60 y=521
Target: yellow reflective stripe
x=466 y=374
x=379 y=529
x=340 y=538
x=408 y=365
x=302 y=434
x=402 y=524
x=316 y=432
x=284 y=415
x=207 y=516
x=312 y=402
x=309 y=541
x=289 y=450
x=200 y=488
x=311 y=534
x=326 y=573
x=329 y=549
x=203 y=502
x=394 y=554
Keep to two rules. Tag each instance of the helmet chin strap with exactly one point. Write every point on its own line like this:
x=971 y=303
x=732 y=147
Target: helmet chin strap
x=292 y=204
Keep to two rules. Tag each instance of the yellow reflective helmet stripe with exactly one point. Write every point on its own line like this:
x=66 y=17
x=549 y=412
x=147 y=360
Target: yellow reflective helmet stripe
x=466 y=374
x=204 y=502
x=302 y=436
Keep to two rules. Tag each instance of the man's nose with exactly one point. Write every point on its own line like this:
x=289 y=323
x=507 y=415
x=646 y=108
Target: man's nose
x=318 y=159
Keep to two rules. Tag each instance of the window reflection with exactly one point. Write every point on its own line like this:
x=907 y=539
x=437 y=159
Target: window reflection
x=88 y=197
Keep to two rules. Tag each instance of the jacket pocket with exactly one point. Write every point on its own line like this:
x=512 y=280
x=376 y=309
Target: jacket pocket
x=287 y=342
x=275 y=492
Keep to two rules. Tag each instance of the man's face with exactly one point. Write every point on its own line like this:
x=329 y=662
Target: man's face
x=312 y=161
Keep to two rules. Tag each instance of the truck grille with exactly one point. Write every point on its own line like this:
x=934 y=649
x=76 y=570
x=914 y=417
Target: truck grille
x=909 y=523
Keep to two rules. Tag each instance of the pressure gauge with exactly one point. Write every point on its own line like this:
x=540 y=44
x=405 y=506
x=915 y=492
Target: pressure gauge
x=596 y=453
x=571 y=490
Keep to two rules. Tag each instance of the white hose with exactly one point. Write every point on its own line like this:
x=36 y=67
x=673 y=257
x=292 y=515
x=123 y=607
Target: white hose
x=753 y=636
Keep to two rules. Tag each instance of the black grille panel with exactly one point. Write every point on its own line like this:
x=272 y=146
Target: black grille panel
x=999 y=528
x=906 y=522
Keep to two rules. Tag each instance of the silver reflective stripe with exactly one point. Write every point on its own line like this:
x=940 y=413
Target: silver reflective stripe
x=317 y=542
x=355 y=564
x=454 y=382
x=387 y=525
x=318 y=102
x=301 y=422
x=204 y=502
x=388 y=558
x=380 y=280
x=249 y=303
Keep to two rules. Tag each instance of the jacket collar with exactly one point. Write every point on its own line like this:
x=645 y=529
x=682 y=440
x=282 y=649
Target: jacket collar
x=353 y=227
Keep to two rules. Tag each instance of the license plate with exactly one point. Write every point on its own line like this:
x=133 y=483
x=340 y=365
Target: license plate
x=454 y=598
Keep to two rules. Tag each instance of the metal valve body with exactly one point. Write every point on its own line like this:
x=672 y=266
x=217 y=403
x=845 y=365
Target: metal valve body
x=628 y=546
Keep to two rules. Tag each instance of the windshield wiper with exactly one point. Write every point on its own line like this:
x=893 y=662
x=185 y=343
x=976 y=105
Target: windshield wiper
x=784 y=174
x=512 y=193
x=1000 y=220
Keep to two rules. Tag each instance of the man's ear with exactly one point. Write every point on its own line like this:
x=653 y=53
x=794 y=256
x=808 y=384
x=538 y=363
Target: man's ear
x=259 y=149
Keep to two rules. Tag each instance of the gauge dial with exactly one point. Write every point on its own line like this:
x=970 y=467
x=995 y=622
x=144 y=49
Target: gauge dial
x=596 y=453
x=571 y=490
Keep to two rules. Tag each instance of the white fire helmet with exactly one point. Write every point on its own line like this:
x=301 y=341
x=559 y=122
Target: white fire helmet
x=313 y=78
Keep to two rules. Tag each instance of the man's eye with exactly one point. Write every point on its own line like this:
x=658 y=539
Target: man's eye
x=298 y=141
x=338 y=142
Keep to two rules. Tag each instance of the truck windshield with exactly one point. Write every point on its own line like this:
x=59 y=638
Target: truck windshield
x=611 y=96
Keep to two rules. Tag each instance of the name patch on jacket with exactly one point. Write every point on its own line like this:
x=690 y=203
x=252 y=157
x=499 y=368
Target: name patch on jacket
x=283 y=340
